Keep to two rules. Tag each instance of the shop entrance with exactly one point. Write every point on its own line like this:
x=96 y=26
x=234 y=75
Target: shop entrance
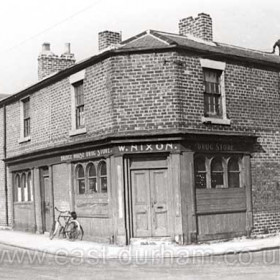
x=46 y=199
x=150 y=202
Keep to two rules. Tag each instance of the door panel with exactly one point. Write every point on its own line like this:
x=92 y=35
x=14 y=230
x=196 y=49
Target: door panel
x=46 y=196
x=150 y=205
x=47 y=203
x=158 y=179
x=141 y=203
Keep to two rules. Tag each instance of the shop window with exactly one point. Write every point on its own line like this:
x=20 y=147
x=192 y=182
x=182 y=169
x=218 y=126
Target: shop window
x=92 y=183
x=29 y=187
x=23 y=187
x=81 y=179
x=212 y=172
x=233 y=173
x=95 y=178
x=200 y=173
x=217 y=173
x=18 y=196
x=103 y=176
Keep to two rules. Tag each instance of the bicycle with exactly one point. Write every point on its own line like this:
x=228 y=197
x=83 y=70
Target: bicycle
x=70 y=228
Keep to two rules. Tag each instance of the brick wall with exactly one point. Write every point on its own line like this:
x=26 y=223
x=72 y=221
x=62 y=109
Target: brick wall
x=200 y=27
x=153 y=93
x=48 y=64
x=266 y=222
x=51 y=112
x=108 y=38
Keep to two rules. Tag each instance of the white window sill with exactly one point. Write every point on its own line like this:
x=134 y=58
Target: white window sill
x=24 y=139
x=74 y=132
x=215 y=121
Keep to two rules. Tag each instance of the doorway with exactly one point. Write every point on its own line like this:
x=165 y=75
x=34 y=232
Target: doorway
x=47 y=201
x=150 y=202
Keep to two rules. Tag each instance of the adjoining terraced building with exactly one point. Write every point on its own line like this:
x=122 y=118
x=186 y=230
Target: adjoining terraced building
x=161 y=135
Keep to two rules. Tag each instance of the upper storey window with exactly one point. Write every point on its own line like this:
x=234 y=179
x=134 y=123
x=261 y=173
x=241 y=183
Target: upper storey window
x=26 y=117
x=214 y=92
x=79 y=103
x=78 y=125
x=25 y=120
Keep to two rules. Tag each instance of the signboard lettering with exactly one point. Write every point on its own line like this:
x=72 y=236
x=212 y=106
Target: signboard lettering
x=215 y=147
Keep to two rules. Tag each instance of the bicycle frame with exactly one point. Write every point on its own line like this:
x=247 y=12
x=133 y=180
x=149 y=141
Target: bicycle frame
x=71 y=228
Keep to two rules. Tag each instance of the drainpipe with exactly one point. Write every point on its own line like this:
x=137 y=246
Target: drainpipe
x=5 y=169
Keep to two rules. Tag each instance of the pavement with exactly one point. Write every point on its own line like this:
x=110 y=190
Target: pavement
x=150 y=250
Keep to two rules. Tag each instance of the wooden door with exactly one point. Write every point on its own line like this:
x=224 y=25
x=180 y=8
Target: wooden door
x=159 y=196
x=46 y=200
x=149 y=203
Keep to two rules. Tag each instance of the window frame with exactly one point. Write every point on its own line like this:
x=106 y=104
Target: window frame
x=86 y=166
x=225 y=160
x=25 y=119
x=217 y=67
x=77 y=109
x=23 y=188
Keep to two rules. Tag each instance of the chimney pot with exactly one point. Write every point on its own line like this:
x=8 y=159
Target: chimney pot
x=46 y=47
x=67 y=48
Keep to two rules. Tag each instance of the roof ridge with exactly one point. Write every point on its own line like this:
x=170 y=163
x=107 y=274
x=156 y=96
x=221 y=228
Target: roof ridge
x=163 y=38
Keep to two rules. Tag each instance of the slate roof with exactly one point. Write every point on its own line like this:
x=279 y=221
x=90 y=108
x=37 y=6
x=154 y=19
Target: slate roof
x=153 y=39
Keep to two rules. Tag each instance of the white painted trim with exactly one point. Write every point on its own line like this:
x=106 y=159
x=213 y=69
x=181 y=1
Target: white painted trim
x=24 y=139
x=77 y=77
x=212 y=64
x=74 y=132
x=215 y=120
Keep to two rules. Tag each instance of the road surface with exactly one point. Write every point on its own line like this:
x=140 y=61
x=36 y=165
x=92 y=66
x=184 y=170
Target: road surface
x=23 y=264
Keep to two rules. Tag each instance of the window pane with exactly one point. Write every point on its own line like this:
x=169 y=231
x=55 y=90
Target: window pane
x=233 y=164
x=92 y=185
x=233 y=180
x=233 y=173
x=200 y=173
x=80 y=172
x=91 y=170
x=103 y=182
x=217 y=165
x=29 y=188
x=103 y=171
x=23 y=188
x=18 y=189
x=217 y=174
x=81 y=184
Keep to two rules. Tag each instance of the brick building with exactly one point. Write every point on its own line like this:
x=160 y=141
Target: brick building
x=161 y=135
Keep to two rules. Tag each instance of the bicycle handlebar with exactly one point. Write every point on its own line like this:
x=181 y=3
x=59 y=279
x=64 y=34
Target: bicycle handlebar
x=60 y=210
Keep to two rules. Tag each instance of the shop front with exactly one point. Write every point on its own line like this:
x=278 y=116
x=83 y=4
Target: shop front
x=183 y=190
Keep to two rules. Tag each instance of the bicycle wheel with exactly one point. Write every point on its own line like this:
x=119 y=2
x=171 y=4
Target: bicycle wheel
x=82 y=233
x=72 y=230
x=53 y=230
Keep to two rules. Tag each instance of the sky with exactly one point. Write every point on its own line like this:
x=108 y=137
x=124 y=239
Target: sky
x=26 y=24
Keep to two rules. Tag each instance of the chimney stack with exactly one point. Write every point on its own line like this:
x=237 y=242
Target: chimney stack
x=108 y=38
x=200 y=27
x=49 y=63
